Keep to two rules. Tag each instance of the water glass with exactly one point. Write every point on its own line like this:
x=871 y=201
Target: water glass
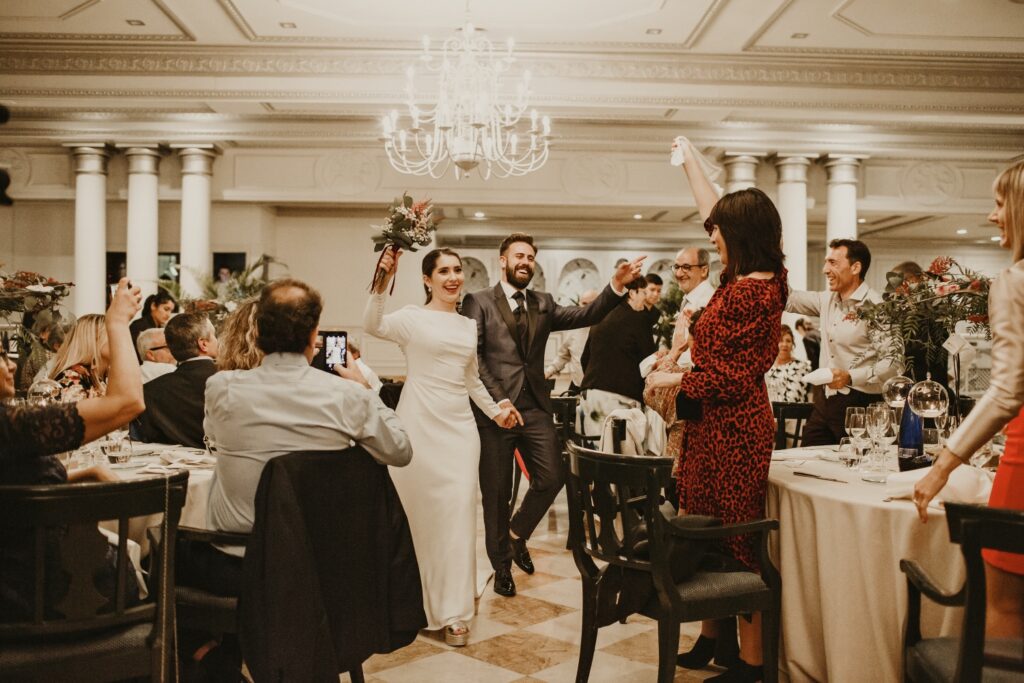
x=849 y=452
x=116 y=450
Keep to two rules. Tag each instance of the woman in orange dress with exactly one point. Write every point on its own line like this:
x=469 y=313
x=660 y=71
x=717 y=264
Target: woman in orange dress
x=1000 y=406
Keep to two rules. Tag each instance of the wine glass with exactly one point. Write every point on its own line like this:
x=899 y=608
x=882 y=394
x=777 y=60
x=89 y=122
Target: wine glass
x=43 y=392
x=879 y=419
x=855 y=425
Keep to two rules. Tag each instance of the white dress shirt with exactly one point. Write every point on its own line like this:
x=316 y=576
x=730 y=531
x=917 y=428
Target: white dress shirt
x=369 y=375
x=151 y=369
x=284 y=406
x=697 y=299
x=570 y=353
x=845 y=344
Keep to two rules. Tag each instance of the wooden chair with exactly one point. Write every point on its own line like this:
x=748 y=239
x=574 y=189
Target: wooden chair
x=81 y=633
x=796 y=412
x=615 y=517
x=969 y=658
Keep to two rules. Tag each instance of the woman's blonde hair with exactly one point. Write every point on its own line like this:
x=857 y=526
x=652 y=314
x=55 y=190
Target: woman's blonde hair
x=238 y=348
x=82 y=347
x=1010 y=186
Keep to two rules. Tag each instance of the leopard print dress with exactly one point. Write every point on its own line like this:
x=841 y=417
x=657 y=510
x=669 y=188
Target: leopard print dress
x=727 y=453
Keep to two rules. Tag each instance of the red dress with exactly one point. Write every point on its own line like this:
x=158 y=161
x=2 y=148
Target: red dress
x=1008 y=491
x=726 y=454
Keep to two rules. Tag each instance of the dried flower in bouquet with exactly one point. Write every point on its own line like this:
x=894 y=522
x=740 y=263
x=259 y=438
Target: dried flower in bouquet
x=409 y=225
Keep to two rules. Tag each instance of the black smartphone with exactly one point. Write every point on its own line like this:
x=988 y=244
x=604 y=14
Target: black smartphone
x=332 y=350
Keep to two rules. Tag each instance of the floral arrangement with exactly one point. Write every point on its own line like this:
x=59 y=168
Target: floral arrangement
x=669 y=305
x=926 y=311
x=409 y=224
x=220 y=299
x=25 y=292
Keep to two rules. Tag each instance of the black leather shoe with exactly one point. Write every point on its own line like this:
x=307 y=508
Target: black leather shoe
x=503 y=583
x=521 y=556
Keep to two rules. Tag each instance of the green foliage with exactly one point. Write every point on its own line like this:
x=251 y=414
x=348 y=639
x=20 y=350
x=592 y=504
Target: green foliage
x=671 y=300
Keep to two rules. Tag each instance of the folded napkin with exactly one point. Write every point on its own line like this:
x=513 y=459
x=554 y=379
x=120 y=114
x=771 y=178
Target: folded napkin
x=187 y=459
x=796 y=454
x=965 y=485
x=820 y=377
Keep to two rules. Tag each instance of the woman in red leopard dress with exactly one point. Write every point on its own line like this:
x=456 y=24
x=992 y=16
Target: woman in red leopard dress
x=735 y=342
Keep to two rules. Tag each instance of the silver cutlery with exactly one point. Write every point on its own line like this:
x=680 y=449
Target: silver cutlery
x=818 y=476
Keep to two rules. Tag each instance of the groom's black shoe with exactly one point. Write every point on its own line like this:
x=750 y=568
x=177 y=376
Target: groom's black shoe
x=503 y=583
x=521 y=556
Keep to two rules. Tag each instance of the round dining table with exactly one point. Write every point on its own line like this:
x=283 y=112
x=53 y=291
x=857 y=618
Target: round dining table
x=844 y=598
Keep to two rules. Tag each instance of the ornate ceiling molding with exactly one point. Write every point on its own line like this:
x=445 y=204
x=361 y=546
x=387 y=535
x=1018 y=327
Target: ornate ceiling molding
x=186 y=36
x=693 y=69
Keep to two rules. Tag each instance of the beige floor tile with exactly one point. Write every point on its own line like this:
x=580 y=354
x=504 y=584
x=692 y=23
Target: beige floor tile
x=568 y=592
x=522 y=651
x=522 y=611
x=567 y=627
x=526 y=582
x=448 y=667
x=643 y=647
x=605 y=669
x=418 y=649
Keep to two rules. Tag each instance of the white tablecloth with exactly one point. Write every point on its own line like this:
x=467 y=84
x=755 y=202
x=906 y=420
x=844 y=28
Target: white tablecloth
x=844 y=599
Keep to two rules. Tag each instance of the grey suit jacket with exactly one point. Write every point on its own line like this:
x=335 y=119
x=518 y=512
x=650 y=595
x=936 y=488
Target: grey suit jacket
x=506 y=369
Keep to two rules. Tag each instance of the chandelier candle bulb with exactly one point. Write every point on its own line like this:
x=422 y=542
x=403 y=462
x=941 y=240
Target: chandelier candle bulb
x=547 y=125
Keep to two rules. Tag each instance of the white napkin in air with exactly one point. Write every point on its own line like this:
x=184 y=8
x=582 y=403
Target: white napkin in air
x=711 y=169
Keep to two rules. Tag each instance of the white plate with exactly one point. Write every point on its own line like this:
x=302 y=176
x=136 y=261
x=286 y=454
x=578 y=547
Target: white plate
x=127 y=465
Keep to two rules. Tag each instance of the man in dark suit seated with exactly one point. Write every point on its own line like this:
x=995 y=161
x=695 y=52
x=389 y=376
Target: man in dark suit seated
x=175 y=401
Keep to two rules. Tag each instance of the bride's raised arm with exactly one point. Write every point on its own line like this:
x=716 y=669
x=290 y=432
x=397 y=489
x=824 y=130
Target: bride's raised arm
x=704 y=191
x=394 y=326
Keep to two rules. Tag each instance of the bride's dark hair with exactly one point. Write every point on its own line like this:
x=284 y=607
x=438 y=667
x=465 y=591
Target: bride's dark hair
x=430 y=263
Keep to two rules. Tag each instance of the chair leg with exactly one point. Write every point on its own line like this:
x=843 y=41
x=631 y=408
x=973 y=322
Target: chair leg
x=588 y=637
x=668 y=649
x=356 y=674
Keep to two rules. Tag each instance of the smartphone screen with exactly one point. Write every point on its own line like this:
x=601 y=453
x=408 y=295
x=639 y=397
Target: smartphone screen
x=333 y=350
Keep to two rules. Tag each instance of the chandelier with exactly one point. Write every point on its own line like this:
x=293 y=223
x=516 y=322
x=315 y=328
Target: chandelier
x=473 y=124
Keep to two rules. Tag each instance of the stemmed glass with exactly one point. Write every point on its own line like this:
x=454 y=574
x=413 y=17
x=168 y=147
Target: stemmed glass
x=879 y=418
x=856 y=427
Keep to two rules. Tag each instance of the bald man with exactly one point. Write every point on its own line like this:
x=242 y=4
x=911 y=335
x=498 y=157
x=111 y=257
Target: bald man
x=570 y=351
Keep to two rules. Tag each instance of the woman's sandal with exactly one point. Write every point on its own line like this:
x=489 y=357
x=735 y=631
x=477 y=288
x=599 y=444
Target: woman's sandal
x=457 y=634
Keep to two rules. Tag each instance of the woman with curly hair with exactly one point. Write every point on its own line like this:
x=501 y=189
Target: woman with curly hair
x=237 y=337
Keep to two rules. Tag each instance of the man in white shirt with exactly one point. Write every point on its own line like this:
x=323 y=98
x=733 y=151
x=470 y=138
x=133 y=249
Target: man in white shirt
x=857 y=370
x=570 y=351
x=157 y=359
x=284 y=406
x=692 y=268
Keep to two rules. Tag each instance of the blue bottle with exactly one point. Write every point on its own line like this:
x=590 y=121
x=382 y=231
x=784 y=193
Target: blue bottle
x=911 y=430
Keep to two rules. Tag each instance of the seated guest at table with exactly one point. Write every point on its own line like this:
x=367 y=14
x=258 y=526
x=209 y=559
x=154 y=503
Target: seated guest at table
x=808 y=338
x=156 y=357
x=174 y=402
x=999 y=408
x=237 y=338
x=570 y=351
x=81 y=364
x=785 y=378
x=50 y=332
x=735 y=339
x=31 y=438
x=156 y=311
x=858 y=372
x=282 y=406
x=611 y=359
x=356 y=356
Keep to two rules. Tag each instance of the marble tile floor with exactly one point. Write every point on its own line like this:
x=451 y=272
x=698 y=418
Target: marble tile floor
x=535 y=635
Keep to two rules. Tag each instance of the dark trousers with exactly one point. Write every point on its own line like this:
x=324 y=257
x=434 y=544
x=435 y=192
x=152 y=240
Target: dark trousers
x=538 y=445
x=200 y=565
x=827 y=424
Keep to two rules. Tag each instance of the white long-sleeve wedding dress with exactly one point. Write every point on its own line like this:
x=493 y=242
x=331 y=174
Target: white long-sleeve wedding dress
x=439 y=487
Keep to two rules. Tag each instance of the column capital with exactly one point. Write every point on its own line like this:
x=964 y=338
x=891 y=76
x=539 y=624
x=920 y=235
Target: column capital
x=842 y=168
x=196 y=159
x=142 y=157
x=792 y=167
x=745 y=155
x=90 y=157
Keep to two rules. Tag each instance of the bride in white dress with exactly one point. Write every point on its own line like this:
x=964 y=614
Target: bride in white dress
x=439 y=487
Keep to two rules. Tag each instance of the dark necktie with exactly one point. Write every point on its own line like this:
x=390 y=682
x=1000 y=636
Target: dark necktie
x=522 y=326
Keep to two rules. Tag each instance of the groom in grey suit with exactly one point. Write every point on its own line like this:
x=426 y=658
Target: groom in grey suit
x=513 y=325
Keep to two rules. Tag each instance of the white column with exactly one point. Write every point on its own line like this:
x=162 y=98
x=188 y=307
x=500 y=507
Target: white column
x=196 y=172
x=143 y=230
x=792 y=207
x=741 y=170
x=842 y=196
x=90 y=227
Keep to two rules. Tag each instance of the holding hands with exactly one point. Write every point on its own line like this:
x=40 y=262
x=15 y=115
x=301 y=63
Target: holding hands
x=508 y=417
x=664 y=380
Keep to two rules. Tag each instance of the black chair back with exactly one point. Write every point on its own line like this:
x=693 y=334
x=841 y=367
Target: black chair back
x=795 y=412
x=59 y=523
x=565 y=416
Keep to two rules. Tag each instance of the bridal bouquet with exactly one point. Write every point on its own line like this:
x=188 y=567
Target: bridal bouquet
x=926 y=311
x=409 y=224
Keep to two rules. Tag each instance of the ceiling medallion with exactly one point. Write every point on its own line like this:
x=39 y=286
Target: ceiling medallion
x=474 y=123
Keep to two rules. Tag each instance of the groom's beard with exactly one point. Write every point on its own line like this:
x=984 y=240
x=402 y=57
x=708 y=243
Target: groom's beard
x=519 y=280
